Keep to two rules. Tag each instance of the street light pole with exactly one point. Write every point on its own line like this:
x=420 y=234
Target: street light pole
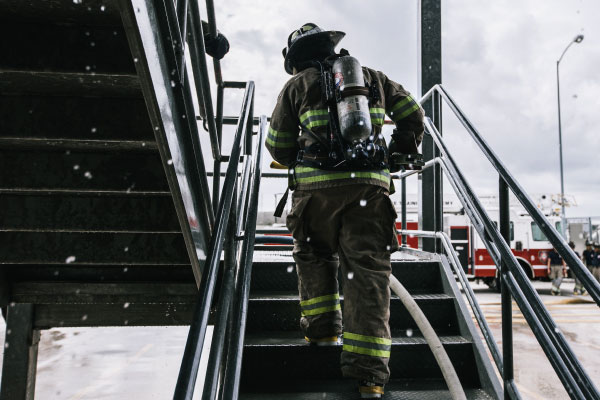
x=577 y=39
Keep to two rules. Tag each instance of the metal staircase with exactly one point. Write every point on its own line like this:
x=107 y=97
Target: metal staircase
x=108 y=219
x=279 y=364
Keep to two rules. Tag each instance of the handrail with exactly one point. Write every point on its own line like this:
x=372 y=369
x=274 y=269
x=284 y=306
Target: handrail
x=553 y=343
x=468 y=290
x=460 y=273
x=589 y=282
x=231 y=380
x=193 y=348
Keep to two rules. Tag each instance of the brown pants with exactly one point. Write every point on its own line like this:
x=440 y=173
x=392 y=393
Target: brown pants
x=352 y=227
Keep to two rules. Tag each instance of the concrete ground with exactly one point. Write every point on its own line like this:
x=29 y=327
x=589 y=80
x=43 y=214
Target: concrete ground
x=576 y=316
x=124 y=363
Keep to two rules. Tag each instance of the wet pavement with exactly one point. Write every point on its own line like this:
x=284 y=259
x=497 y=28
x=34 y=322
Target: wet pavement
x=123 y=363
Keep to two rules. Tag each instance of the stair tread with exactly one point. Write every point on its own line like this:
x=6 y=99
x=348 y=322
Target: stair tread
x=58 y=144
x=265 y=296
x=69 y=83
x=287 y=338
x=89 y=12
x=83 y=192
x=344 y=390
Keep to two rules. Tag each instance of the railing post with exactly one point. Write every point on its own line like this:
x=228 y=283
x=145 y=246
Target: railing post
x=404 y=224
x=430 y=43
x=506 y=301
x=217 y=161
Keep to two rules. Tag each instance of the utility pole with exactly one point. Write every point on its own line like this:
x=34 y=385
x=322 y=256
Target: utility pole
x=563 y=221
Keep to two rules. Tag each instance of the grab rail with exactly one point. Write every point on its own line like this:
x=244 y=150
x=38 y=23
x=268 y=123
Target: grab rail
x=514 y=283
x=193 y=348
x=589 y=282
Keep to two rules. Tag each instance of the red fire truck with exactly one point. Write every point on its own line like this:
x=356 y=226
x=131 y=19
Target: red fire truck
x=527 y=241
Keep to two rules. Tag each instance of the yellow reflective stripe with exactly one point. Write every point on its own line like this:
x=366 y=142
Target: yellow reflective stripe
x=368 y=352
x=406 y=113
x=320 y=299
x=313 y=113
x=284 y=145
x=321 y=310
x=319 y=122
x=280 y=133
x=402 y=103
x=377 y=110
x=368 y=339
x=343 y=175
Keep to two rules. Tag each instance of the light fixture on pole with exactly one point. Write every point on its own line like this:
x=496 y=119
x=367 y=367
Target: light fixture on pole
x=577 y=39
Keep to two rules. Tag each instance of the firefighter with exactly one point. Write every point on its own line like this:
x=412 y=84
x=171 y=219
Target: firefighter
x=341 y=214
x=556 y=271
x=579 y=289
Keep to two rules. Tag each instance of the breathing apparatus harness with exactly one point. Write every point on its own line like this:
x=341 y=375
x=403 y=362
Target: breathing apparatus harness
x=351 y=144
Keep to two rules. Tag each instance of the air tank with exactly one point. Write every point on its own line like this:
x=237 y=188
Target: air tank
x=353 y=111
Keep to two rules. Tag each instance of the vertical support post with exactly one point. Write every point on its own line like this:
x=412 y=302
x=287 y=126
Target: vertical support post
x=506 y=301
x=430 y=70
x=404 y=224
x=250 y=129
x=217 y=162
x=20 y=354
x=590 y=229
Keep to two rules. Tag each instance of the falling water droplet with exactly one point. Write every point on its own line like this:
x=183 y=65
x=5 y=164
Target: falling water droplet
x=125 y=305
x=70 y=259
x=409 y=332
x=363 y=202
x=350 y=275
x=290 y=269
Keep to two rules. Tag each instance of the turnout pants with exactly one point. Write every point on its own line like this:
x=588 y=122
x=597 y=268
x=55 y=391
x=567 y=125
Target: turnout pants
x=351 y=227
x=556 y=275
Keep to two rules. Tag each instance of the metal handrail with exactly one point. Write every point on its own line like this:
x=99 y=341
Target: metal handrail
x=470 y=295
x=231 y=380
x=589 y=282
x=193 y=348
x=566 y=365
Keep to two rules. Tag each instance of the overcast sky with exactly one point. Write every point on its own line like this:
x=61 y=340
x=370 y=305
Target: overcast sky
x=499 y=64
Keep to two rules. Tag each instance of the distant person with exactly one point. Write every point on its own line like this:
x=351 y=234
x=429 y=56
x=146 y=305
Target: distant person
x=588 y=255
x=556 y=271
x=579 y=290
x=596 y=262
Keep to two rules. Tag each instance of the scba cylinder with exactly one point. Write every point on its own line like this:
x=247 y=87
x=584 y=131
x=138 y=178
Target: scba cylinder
x=353 y=110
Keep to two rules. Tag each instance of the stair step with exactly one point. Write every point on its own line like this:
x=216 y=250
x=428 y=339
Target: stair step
x=149 y=272
x=425 y=389
x=280 y=276
x=287 y=338
x=410 y=358
x=282 y=313
x=88 y=212
x=85 y=118
x=103 y=293
x=53 y=144
x=24 y=169
x=87 y=12
x=69 y=84
x=58 y=247
x=48 y=47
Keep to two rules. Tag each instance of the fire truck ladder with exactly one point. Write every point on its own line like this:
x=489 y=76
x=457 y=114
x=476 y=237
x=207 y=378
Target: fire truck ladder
x=109 y=219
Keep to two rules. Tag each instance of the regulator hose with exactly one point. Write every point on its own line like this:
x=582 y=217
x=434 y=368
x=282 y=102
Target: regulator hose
x=448 y=371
